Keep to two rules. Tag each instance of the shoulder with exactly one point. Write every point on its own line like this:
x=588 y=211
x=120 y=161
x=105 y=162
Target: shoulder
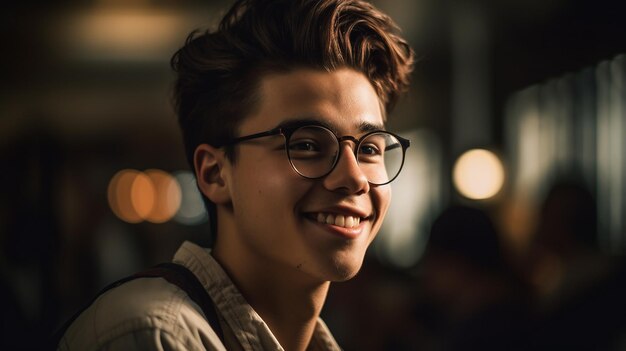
x=141 y=313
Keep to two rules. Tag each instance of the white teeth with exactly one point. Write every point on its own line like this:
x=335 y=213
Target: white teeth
x=330 y=219
x=350 y=222
x=338 y=220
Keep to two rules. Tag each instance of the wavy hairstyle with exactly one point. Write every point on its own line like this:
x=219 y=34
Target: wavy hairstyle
x=218 y=72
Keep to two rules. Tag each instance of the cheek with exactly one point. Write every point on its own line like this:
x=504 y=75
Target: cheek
x=258 y=173
x=382 y=198
x=263 y=189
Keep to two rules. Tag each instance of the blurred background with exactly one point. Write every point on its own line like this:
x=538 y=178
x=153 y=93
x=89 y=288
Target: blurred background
x=507 y=227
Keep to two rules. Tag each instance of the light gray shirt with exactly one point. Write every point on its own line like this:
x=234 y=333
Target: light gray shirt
x=152 y=314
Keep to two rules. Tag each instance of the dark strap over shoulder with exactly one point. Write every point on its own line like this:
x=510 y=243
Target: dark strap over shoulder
x=174 y=273
x=182 y=277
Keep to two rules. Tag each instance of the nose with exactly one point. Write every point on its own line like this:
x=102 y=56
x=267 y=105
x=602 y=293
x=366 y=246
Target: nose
x=347 y=177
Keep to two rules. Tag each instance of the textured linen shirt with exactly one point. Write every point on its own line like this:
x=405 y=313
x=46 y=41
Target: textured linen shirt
x=152 y=314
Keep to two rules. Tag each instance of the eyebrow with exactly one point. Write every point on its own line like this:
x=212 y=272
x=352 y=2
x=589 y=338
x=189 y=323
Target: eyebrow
x=299 y=122
x=368 y=127
x=362 y=127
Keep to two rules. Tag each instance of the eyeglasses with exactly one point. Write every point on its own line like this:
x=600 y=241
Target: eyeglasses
x=313 y=151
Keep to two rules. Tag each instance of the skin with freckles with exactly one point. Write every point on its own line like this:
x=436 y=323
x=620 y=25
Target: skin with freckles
x=269 y=238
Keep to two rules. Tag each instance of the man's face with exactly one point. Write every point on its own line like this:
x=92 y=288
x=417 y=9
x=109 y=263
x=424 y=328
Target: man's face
x=279 y=216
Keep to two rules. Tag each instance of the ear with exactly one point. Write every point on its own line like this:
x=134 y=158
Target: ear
x=210 y=164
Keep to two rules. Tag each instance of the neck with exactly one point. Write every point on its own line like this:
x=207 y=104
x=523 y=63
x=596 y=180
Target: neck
x=288 y=301
x=291 y=312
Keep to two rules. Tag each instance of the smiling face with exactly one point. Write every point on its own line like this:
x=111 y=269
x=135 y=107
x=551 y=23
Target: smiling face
x=275 y=217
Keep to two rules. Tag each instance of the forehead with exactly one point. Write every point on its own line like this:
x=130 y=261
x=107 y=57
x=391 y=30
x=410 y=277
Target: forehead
x=343 y=99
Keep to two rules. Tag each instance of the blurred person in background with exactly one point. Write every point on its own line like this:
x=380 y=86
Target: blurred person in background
x=564 y=256
x=469 y=296
x=282 y=111
x=579 y=289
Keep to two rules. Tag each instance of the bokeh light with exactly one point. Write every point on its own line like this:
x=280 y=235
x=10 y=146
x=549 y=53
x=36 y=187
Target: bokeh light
x=192 y=210
x=478 y=174
x=142 y=195
x=167 y=196
x=154 y=196
x=119 y=195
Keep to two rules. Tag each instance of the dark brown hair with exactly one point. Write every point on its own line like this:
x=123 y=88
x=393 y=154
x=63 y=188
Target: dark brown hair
x=219 y=71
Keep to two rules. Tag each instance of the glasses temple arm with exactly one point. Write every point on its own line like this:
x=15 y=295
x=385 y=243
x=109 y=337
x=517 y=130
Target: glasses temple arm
x=252 y=136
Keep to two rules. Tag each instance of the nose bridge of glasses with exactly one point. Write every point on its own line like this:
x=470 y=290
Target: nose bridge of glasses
x=348 y=163
x=340 y=140
x=352 y=157
x=346 y=138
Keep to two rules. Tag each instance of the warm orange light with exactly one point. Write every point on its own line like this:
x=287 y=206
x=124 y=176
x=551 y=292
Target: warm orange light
x=119 y=195
x=134 y=196
x=142 y=195
x=478 y=174
x=122 y=33
x=167 y=196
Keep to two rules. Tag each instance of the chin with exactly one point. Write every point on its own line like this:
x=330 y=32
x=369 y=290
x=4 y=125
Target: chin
x=343 y=270
x=344 y=277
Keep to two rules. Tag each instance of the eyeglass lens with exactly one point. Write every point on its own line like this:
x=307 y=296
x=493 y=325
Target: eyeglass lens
x=314 y=150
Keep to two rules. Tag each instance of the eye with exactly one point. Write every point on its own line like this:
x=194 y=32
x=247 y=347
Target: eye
x=369 y=150
x=372 y=148
x=303 y=145
x=305 y=149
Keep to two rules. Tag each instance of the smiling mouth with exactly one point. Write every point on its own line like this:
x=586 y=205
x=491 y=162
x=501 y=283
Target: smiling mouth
x=339 y=220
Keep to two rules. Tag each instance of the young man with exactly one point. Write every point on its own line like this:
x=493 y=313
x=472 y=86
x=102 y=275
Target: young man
x=282 y=110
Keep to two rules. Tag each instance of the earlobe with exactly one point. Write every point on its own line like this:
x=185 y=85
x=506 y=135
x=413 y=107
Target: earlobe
x=209 y=163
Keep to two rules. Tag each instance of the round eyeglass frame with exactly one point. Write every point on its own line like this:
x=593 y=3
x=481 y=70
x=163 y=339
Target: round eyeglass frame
x=288 y=131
